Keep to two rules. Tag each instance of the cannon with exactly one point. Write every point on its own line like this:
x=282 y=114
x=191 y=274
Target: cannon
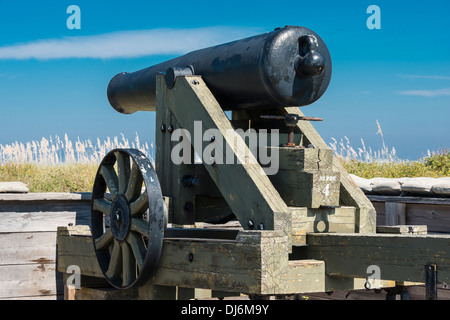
x=254 y=202
x=290 y=66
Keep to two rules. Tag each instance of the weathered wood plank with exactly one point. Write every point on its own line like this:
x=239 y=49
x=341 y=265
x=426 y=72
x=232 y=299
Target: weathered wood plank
x=30 y=216
x=29 y=280
x=48 y=196
x=421 y=200
x=435 y=217
x=304 y=159
x=306 y=220
x=306 y=276
x=395 y=213
x=39 y=221
x=27 y=248
x=400 y=257
x=402 y=229
x=307 y=189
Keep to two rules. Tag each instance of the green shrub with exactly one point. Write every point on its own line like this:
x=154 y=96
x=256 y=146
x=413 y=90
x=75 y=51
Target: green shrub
x=439 y=162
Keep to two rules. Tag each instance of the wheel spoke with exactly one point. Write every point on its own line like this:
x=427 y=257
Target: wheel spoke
x=141 y=226
x=128 y=265
x=111 y=180
x=137 y=246
x=105 y=240
x=102 y=205
x=115 y=263
x=134 y=184
x=140 y=205
x=123 y=170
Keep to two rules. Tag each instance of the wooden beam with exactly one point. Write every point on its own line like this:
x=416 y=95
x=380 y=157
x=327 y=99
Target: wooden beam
x=400 y=257
x=395 y=213
x=306 y=220
x=255 y=262
x=403 y=229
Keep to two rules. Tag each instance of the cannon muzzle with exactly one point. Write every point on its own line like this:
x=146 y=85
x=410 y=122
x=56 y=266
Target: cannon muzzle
x=289 y=66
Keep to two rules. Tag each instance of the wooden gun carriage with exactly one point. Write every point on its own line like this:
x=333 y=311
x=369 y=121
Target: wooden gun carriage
x=305 y=227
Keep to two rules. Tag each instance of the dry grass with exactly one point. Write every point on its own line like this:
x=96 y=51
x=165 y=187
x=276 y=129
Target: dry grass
x=59 y=165
x=75 y=177
x=367 y=163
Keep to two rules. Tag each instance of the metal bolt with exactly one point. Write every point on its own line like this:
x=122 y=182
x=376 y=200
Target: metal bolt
x=188 y=181
x=250 y=224
x=191 y=257
x=261 y=226
x=170 y=129
x=117 y=217
x=189 y=206
x=195 y=81
x=163 y=128
x=212 y=139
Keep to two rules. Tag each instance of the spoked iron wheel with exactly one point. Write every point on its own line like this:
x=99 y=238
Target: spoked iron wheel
x=127 y=226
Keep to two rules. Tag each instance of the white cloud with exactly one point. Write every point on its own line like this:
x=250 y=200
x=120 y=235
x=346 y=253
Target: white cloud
x=426 y=93
x=431 y=77
x=125 y=44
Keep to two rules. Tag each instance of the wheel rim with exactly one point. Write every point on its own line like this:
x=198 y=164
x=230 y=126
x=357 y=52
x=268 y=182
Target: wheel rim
x=127 y=227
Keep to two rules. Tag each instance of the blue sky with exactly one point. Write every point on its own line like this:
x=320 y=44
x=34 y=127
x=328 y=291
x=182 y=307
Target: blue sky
x=53 y=80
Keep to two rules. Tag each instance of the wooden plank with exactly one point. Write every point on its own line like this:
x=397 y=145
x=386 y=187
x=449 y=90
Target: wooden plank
x=435 y=217
x=419 y=200
x=27 y=248
x=78 y=250
x=85 y=293
x=306 y=220
x=306 y=276
x=403 y=229
x=40 y=220
x=28 y=216
x=29 y=280
x=395 y=213
x=258 y=201
x=307 y=189
x=48 y=196
x=400 y=257
x=304 y=159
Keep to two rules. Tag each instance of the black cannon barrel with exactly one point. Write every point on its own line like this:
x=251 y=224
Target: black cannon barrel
x=289 y=66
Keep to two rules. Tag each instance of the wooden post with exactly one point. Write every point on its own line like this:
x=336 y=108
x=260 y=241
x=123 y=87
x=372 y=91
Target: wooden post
x=395 y=213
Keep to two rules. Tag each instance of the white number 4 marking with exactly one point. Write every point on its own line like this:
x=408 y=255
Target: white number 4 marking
x=326 y=190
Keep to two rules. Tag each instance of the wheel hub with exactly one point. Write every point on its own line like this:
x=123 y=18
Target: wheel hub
x=120 y=218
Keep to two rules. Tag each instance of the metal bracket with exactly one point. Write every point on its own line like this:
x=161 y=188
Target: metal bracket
x=431 y=282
